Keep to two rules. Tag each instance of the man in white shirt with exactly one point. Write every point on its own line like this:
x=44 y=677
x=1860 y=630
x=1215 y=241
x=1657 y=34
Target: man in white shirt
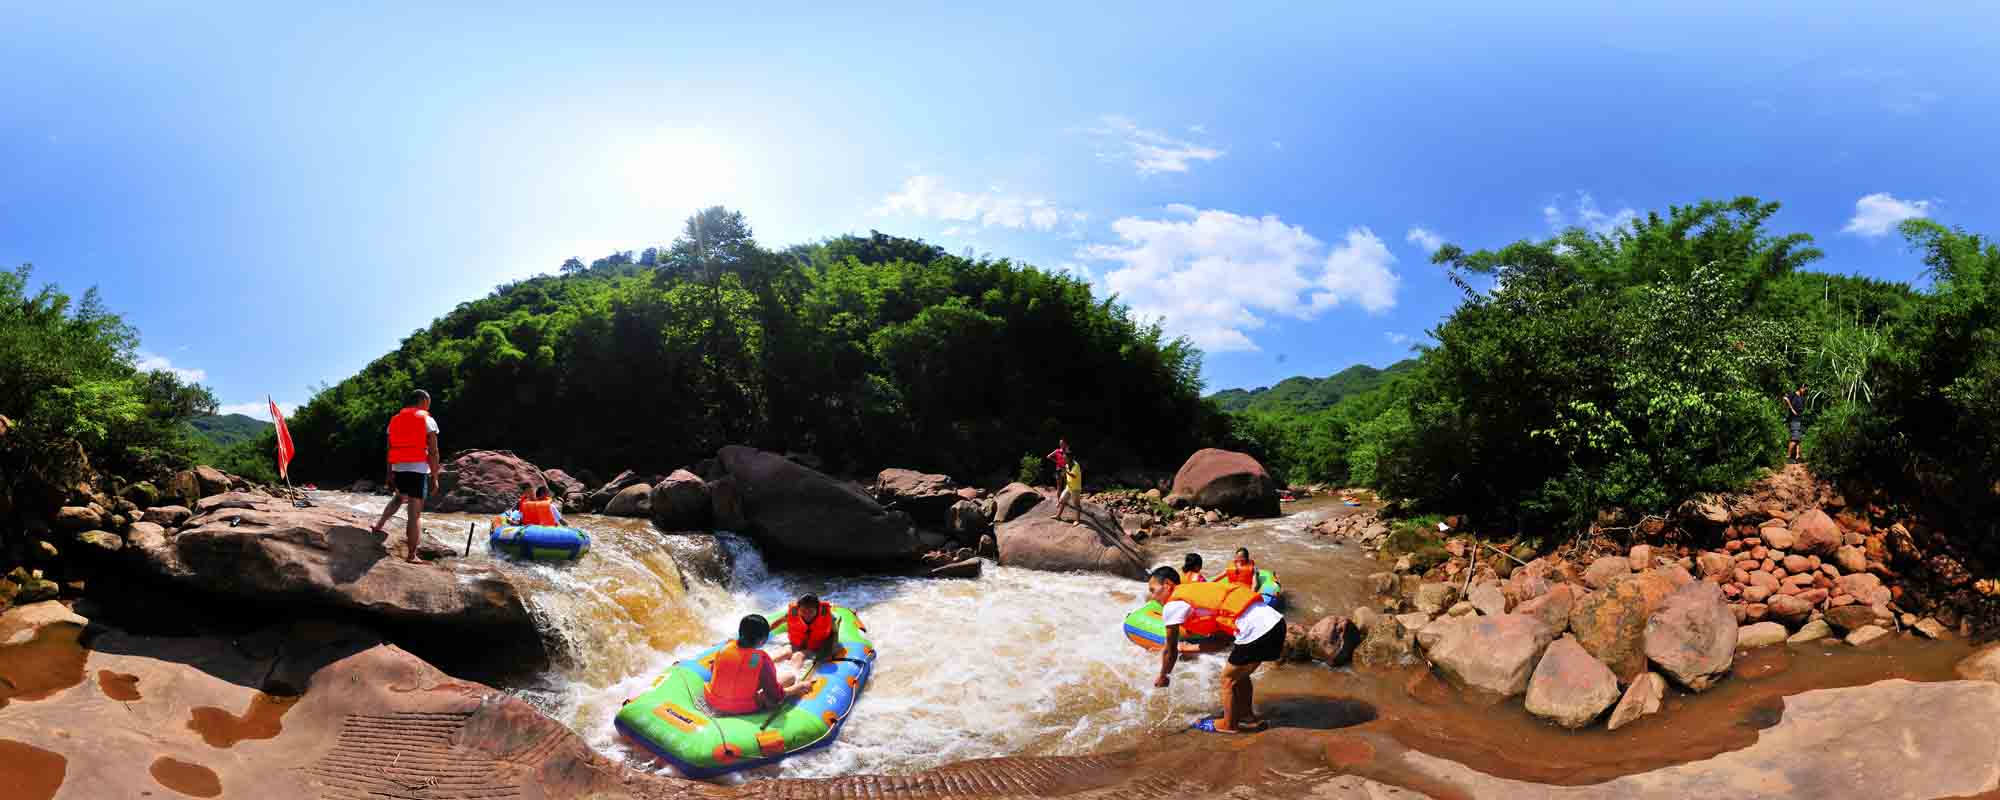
x=1255 y=633
x=413 y=466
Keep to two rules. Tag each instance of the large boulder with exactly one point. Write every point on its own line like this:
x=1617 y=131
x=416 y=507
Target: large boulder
x=681 y=502
x=1014 y=500
x=1038 y=540
x=1816 y=533
x=1332 y=641
x=1611 y=625
x=142 y=494
x=1604 y=570
x=1492 y=656
x=632 y=501
x=1692 y=637
x=970 y=519
x=1569 y=687
x=75 y=519
x=1641 y=698
x=1552 y=607
x=795 y=512
x=211 y=480
x=183 y=488
x=167 y=516
x=601 y=497
x=1982 y=665
x=1227 y=481
x=1385 y=644
x=264 y=552
x=926 y=497
x=484 y=482
x=565 y=487
x=725 y=504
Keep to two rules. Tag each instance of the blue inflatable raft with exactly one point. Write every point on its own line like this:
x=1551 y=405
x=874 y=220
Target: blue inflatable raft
x=536 y=542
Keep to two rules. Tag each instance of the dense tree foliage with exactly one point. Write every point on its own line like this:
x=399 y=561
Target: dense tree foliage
x=1302 y=395
x=69 y=386
x=867 y=351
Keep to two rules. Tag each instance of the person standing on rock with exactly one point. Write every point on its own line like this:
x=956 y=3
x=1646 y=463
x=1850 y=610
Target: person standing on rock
x=1060 y=455
x=1072 y=492
x=413 y=465
x=1795 y=419
x=1256 y=633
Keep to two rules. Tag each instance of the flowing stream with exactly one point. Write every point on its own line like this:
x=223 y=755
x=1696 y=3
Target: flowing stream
x=1019 y=662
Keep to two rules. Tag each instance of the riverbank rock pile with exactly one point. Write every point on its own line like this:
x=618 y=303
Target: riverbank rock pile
x=484 y=482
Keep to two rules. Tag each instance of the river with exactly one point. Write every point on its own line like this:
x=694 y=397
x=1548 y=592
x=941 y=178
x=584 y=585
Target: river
x=1019 y=662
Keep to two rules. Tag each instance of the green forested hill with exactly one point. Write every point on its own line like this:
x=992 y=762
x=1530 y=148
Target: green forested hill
x=1301 y=394
x=866 y=351
x=226 y=430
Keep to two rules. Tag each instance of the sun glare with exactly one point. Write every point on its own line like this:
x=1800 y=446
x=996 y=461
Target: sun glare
x=681 y=169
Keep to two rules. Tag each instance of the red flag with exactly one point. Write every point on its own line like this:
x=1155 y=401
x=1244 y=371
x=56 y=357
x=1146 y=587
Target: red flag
x=284 y=439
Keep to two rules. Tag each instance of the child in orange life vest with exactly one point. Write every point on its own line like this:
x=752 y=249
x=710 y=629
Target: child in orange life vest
x=1242 y=570
x=744 y=679
x=809 y=632
x=539 y=509
x=1191 y=569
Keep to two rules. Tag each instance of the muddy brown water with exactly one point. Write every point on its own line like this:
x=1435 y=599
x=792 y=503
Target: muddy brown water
x=1027 y=663
x=193 y=780
x=29 y=772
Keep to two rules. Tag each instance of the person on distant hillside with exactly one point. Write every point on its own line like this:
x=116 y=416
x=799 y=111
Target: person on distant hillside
x=1242 y=570
x=1191 y=569
x=538 y=509
x=744 y=679
x=1256 y=634
x=413 y=465
x=1795 y=419
x=1072 y=492
x=809 y=632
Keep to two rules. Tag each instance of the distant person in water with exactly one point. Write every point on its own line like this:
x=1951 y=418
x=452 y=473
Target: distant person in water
x=413 y=465
x=1072 y=492
x=744 y=679
x=1243 y=570
x=1255 y=633
x=809 y=633
x=538 y=509
x=1191 y=569
x=1795 y=420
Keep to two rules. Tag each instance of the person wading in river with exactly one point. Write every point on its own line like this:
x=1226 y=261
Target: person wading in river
x=1256 y=633
x=1795 y=420
x=413 y=465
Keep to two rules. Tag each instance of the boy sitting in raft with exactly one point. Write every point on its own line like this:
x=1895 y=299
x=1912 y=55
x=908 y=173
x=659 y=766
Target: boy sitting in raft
x=1255 y=630
x=1191 y=569
x=809 y=627
x=745 y=679
x=1243 y=570
x=539 y=510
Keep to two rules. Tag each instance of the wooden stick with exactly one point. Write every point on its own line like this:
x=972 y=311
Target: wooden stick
x=469 y=528
x=1505 y=553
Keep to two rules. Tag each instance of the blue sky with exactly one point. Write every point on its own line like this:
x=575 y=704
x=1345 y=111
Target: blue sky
x=276 y=197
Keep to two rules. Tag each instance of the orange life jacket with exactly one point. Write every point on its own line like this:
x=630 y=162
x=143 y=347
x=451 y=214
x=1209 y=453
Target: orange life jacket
x=733 y=683
x=1243 y=572
x=1192 y=577
x=1215 y=606
x=809 y=637
x=410 y=437
x=537 y=512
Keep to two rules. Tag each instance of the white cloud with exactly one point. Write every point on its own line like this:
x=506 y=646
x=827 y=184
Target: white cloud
x=148 y=362
x=1213 y=276
x=257 y=410
x=1277 y=145
x=1586 y=215
x=926 y=196
x=1424 y=238
x=1879 y=213
x=1398 y=339
x=1152 y=151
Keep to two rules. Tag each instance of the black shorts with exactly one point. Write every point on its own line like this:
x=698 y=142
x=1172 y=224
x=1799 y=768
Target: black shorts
x=1798 y=428
x=1268 y=647
x=415 y=485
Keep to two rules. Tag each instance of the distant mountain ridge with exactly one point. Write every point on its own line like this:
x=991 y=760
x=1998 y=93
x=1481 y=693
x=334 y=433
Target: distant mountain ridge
x=1300 y=394
x=228 y=429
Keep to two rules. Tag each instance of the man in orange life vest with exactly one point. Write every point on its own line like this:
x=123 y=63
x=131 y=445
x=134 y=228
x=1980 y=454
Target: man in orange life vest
x=744 y=679
x=809 y=629
x=1255 y=630
x=539 y=510
x=413 y=465
x=1242 y=570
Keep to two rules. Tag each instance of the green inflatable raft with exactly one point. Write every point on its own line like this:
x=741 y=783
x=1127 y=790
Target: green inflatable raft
x=673 y=721
x=1145 y=628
